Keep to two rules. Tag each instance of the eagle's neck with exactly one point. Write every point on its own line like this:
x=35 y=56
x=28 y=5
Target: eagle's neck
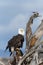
x=20 y=35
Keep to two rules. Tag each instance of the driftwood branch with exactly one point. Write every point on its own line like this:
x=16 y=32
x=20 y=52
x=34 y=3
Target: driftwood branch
x=32 y=50
x=38 y=34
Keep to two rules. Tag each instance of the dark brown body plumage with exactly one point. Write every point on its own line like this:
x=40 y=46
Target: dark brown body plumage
x=16 y=42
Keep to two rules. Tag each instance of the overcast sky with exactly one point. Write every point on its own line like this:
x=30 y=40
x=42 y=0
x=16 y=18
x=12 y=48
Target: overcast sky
x=14 y=14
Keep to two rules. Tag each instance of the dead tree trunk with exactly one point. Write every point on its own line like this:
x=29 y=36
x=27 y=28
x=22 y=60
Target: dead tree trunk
x=32 y=50
x=38 y=34
x=28 y=28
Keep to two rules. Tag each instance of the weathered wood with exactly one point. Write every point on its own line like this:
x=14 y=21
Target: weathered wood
x=32 y=50
x=28 y=28
x=36 y=35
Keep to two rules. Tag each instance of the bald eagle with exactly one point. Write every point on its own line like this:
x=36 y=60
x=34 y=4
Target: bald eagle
x=16 y=42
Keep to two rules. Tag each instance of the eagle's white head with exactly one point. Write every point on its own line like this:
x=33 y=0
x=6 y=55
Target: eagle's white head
x=21 y=31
